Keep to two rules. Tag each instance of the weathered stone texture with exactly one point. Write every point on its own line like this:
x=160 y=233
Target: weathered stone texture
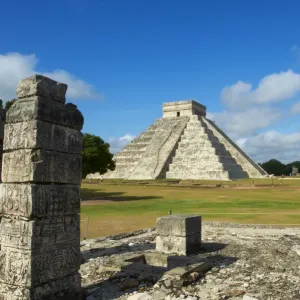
x=50 y=233
x=178 y=244
x=38 y=165
x=178 y=225
x=40 y=108
x=180 y=234
x=67 y=288
x=183 y=144
x=2 y=120
x=31 y=268
x=39 y=134
x=153 y=163
x=248 y=165
x=39 y=85
x=39 y=199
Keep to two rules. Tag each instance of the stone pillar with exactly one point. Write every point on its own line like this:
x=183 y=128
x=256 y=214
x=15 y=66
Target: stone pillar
x=2 y=120
x=40 y=195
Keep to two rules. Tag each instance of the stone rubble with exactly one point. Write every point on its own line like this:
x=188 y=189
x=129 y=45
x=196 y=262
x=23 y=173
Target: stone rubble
x=249 y=262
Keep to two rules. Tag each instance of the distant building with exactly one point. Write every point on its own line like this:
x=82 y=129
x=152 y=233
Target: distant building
x=295 y=171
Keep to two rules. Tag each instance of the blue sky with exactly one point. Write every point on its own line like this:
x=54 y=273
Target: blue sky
x=123 y=58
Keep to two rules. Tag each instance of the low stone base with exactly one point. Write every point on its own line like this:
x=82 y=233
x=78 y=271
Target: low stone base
x=64 y=289
x=179 y=245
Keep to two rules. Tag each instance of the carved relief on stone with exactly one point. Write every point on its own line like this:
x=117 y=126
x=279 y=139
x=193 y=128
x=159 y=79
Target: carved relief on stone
x=38 y=200
x=32 y=267
x=36 y=165
x=39 y=134
x=40 y=233
x=40 y=108
x=67 y=287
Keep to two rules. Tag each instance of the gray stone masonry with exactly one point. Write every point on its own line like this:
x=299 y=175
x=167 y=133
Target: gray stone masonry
x=178 y=234
x=40 y=195
x=184 y=144
x=2 y=121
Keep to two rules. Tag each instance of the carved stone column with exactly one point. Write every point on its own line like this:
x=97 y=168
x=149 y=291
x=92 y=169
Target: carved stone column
x=40 y=195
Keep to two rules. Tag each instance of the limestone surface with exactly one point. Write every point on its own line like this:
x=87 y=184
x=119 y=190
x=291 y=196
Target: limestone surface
x=39 y=197
x=178 y=234
x=248 y=262
x=184 y=144
x=39 y=85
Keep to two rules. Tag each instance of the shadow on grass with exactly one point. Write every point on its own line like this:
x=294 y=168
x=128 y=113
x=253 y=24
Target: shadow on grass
x=88 y=194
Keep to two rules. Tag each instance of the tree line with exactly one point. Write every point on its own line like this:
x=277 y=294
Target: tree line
x=274 y=166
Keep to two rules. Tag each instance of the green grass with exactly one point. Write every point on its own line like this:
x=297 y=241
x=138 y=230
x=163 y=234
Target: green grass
x=132 y=205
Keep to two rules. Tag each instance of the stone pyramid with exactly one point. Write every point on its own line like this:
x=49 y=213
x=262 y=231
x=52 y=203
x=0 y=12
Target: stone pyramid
x=184 y=144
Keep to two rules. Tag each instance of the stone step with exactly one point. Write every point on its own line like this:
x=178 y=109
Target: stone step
x=201 y=143
x=127 y=160
x=203 y=158
x=197 y=152
x=204 y=162
x=198 y=136
x=198 y=175
x=129 y=153
x=204 y=167
x=137 y=147
x=195 y=126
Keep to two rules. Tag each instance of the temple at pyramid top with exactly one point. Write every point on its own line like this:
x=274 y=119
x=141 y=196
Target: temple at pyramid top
x=184 y=144
x=183 y=108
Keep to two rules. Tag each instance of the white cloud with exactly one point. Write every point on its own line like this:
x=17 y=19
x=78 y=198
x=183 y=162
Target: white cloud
x=295 y=109
x=272 y=88
x=244 y=123
x=272 y=144
x=15 y=66
x=116 y=144
x=249 y=111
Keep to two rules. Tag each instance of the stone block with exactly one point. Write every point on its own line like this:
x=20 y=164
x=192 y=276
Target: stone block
x=41 y=108
x=68 y=288
x=30 y=268
x=36 y=165
x=39 y=134
x=39 y=200
x=46 y=234
x=38 y=85
x=178 y=225
x=178 y=244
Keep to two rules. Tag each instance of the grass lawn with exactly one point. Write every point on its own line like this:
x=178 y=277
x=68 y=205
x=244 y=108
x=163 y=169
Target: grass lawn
x=113 y=207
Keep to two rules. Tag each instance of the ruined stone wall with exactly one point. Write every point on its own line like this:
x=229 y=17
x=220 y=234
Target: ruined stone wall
x=40 y=196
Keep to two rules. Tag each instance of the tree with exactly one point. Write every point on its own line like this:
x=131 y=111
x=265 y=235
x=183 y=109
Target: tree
x=8 y=104
x=1 y=104
x=274 y=166
x=96 y=156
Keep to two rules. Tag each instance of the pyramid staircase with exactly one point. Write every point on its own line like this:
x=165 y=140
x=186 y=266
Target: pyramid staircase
x=200 y=155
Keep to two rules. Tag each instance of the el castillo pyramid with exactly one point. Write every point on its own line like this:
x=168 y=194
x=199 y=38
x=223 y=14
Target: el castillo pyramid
x=184 y=144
